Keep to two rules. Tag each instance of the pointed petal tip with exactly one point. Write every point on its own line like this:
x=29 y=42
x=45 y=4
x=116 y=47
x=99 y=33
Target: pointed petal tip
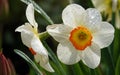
x=47 y=66
x=18 y=29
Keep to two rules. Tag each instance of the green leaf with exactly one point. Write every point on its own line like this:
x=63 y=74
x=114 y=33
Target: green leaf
x=93 y=72
x=24 y=56
x=39 y=10
x=84 y=68
x=54 y=58
x=57 y=72
x=116 y=49
x=117 y=69
x=111 y=58
x=76 y=69
x=96 y=71
x=44 y=35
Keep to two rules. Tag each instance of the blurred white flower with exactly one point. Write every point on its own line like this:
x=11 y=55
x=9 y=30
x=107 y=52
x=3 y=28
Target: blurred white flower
x=30 y=38
x=81 y=36
x=107 y=7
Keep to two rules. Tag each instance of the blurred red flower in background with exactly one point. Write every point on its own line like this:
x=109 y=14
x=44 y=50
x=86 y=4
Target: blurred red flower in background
x=6 y=66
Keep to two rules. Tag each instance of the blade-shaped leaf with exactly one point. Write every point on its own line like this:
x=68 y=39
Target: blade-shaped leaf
x=117 y=69
x=54 y=58
x=39 y=10
x=24 y=56
x=76 y=69
x=116 y=48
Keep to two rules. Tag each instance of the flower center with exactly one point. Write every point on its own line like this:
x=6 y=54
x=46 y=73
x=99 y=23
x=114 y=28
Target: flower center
x=80 y=37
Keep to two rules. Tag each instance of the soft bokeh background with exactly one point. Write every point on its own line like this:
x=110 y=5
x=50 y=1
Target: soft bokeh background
x=12 y=15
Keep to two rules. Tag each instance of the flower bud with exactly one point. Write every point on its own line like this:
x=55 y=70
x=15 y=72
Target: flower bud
x=6 y=66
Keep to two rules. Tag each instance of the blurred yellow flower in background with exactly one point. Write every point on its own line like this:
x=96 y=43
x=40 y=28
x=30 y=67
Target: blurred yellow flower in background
x=108 y=7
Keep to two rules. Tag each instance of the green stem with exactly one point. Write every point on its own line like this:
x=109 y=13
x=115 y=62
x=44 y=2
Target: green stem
x=54 y=58
x=100 y=70
x=76 y=69
x=44 y=35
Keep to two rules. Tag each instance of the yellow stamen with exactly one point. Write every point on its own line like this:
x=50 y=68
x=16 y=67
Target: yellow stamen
x=80 y=37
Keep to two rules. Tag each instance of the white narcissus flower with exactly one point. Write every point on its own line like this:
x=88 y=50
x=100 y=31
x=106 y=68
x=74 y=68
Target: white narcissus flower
x=30 y=38
x=107 y=7
x=81 y=36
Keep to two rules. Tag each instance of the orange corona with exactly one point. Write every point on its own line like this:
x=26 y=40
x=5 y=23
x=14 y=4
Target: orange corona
x=80 y=37
x=32 y=51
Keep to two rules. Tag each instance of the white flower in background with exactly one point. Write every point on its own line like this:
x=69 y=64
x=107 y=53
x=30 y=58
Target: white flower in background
x=81 y=36
x=30 y=38
x=107 y=7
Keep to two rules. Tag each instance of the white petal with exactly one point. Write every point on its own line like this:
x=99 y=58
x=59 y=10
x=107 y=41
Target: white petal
x=92 y=17
x=47 y=67
x=41 y=60
x=117 y=19
x=59 y=32
x=67 y=53
x=26 y=34
x=27 y=28
x=72 y=15
x=42 y=55
x=26 y=39
x=30 y=15
x=104 y=36
x=91 y=56
x=38 y=47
